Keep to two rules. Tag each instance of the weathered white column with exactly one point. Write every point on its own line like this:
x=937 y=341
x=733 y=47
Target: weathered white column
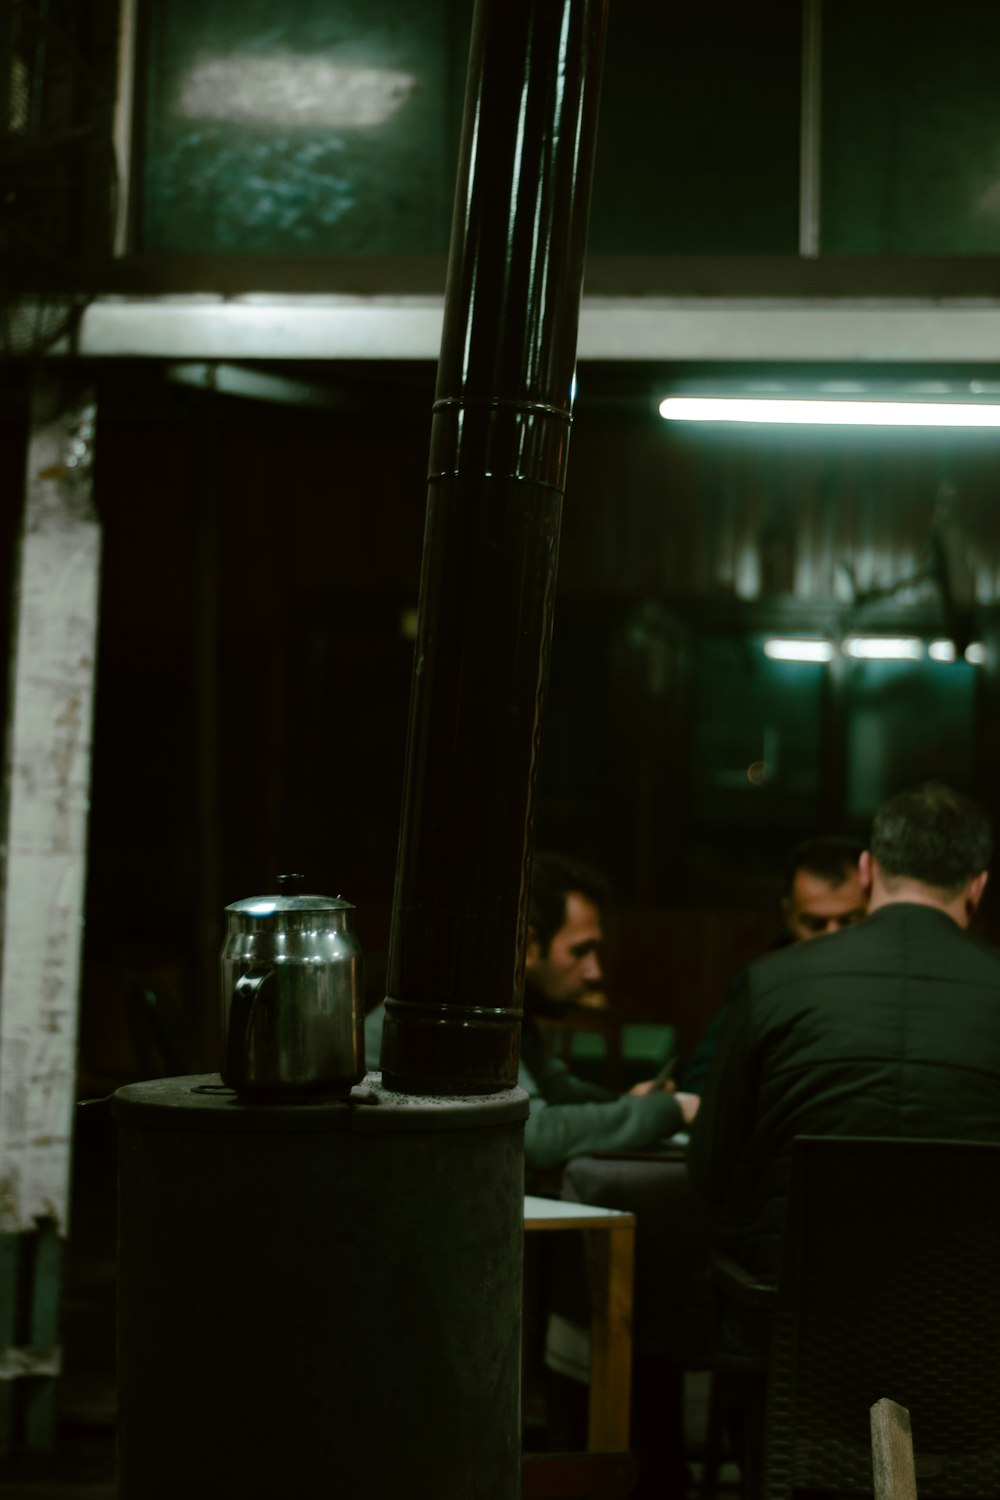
x=46 y=798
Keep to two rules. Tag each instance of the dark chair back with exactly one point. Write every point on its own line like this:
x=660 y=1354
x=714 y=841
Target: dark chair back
x=890 y=1287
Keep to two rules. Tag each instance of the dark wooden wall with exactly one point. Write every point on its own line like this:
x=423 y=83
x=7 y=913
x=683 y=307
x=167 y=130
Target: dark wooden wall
x=260 y=566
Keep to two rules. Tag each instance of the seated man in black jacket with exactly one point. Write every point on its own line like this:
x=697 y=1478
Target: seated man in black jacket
x=824 y=893
x=888 y=1028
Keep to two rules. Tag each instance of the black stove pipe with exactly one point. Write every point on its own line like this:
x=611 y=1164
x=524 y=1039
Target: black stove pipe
x=497 y=475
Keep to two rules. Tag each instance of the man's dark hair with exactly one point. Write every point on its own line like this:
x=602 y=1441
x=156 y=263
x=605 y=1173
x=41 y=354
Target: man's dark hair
x=833 y=857
x=553 y=876
x=933 y=834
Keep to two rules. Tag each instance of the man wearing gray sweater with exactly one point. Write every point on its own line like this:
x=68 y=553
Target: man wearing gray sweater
x=569 y=1116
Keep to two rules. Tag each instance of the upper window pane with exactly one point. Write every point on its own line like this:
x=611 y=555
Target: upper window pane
x=331 y=128
x=911 y=160
x=698 y=142
x=304 y=129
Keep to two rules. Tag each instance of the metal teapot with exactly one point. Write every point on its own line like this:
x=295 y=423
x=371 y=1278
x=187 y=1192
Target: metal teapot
x=292 y=995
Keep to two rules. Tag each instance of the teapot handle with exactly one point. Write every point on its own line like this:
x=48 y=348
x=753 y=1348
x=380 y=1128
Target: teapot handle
x=241 y=1013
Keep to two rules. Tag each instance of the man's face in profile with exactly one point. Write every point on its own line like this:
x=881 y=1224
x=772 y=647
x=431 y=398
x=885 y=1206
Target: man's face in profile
x=572 y=965
x=815 y=906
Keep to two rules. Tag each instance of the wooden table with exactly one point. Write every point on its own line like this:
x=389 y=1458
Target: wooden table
x=612 y=1261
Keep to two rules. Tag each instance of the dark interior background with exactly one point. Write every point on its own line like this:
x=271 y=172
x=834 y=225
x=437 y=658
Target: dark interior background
x=260 y=583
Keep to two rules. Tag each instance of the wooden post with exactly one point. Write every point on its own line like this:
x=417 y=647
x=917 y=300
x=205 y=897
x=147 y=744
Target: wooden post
x=612 y=1253
x=611 y=1256
x=892 y=1452
x=47 y=786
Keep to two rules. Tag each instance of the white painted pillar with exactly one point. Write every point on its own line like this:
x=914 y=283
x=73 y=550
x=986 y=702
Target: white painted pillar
x=46 y=800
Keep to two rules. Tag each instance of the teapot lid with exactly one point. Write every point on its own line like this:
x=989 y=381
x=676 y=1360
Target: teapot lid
x=290 y=898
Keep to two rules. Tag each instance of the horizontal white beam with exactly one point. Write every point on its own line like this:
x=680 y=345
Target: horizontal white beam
x=782 y=331
x=259 y=326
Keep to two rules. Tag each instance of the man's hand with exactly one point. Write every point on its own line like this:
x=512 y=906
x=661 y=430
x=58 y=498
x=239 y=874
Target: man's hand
x=688 y=1102
x=663 y=1080
x=689 y=1106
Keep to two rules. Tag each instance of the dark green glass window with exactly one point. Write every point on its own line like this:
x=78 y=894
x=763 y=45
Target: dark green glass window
x=698 y=146
x=756 y=752
x=308 y=128
x=907 y=721
x=911 y=125
x=332 y=129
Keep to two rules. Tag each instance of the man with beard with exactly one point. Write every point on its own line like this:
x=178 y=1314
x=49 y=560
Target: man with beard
x=569 y=1116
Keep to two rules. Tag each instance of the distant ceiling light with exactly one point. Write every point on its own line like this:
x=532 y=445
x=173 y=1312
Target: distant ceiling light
x=975 y=652
x=884 y=647
x=779 y=649
x=287 y=90
x=830 y=413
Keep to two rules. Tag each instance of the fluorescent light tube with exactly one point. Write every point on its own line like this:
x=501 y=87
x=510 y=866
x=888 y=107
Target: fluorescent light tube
x=779 y=649
x=830 y=413
x=884 y=647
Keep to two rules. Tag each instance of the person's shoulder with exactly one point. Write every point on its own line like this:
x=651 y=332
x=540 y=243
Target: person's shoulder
x=985 y=949
x=932 y=923
x=984 y=954
x=830 y=952
x=777 y=962
x=934 y=943
x=876 y=943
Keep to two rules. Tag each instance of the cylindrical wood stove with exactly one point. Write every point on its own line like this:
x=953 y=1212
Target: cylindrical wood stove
x=318 y=1300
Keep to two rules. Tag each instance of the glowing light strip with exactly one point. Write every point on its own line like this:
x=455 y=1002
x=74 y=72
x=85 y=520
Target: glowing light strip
x=798 y=650
x=829 y=413
x=884 y=648
x=870 y=648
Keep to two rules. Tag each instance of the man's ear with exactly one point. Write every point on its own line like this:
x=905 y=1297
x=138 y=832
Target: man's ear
x=974 y=893
x=532 y=948
x=865 y=864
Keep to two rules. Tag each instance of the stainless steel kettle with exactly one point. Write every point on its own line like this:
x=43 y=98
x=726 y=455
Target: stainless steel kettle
x=292 y=995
